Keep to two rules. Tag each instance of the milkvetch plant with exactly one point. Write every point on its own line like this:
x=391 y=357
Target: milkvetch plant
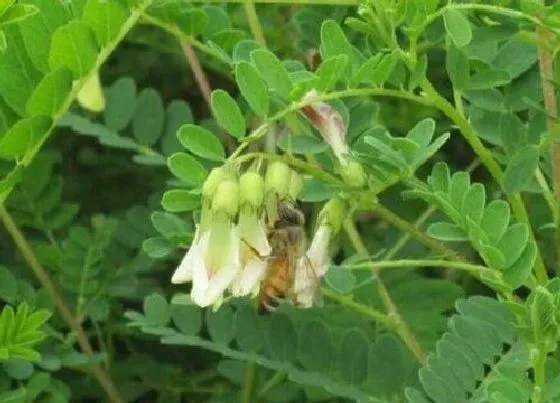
x=410 y=148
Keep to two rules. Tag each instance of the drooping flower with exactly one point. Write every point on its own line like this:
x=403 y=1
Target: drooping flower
x=255 y=248
x=329 y=122
x=213 y=260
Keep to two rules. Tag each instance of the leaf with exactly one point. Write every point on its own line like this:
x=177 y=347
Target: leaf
x=177 y=114
x=495 y=219
x=273 y=72
x=201 y=142
x=513 y=242
x=73 y=46
x=281 y=338
x=5 y=5
x=457 y=66
x=520 y=271
x=17 y=13
x=156 y=310
x=157 y=247
x=178 y=200
x=352 y=352
x=521 y=169
x=331 y=71
x=149 y=117
x=515 y=57
x=341 y=280
x=445 y=231
x=169 y=225
x=18 y=77
x=120 y=103
x=227 y=113
x=187 y=318
x=333 y=40
x=38 y=29
x=187 y=169
x=105 y=18
x=488 y=79
x=473 y=203
x=248 y=328
x=24 y=136
x=221 y=324
x=301 y=144
x=315 y=349
x=50 y=94
x=252 y=87
x=457 y=27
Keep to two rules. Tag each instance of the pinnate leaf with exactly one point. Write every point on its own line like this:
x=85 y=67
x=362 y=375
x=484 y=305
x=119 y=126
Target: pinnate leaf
x=201 y=142
x=227 y=113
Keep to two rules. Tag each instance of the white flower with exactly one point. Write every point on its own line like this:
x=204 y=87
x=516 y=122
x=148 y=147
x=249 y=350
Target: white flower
x=312 y=267
x=329 y=122
x=255 y=250
x=212 y=274
x=211 y=263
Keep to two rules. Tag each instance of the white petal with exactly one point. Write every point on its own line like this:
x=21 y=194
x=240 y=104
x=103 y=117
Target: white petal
x=253 y=232
x=249 y=277
x=184 y=273
x=210 y=283
x=318 y=252
x=305 y=284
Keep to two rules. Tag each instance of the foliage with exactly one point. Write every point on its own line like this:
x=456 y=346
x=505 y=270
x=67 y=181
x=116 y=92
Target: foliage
x=420 y=137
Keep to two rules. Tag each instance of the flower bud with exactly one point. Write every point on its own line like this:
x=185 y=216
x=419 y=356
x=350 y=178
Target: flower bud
x=226 y=198
x=214 y=179
x=296 y=184
x=353 y=173
x=91 y=96
x=332 y=214
x=278 y=177
x=251 y=190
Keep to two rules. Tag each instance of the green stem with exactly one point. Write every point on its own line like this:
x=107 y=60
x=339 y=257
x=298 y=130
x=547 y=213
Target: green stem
x=254 y=23
x=347 y=300
x=249 y=384
x=294 y=2
x=382 y=264
x=276 y=379
x=414 y=232
x=539 y=368
x=399 y=325
x=25 y=249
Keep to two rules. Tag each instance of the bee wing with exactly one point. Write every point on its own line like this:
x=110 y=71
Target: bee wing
x=306 y=285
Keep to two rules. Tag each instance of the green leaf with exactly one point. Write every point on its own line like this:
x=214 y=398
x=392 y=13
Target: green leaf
x=149 y=117
x=50 y=94
x=513 y=242
x=457 y=66
x=281 y=338
x=192 y=22
x=18 y=369
x=18 y=77
x=221 y=324
x=352 y=352
x=333 y=40
x=445 y=231
x=105 y=18
x=331 y=71
x=544 y=324
x=157 y=247
x=457 y=27
x=488 y=79
x=418 y=73
x=515 y=57
x=473 y=203
x=341 y=280
x=178 y=200
x=315 y=349
x=156 y=310
x=273 y=72
x=376 y=70
x=169 y=225
x=249 y=329
x=252 y=87
x=37 y=30
x=201 y=142
x=177 y=114
x=495 y=219
x=227 y=113
x=521 y=169
x=5 y=5
x=187 y=318
x=120 y=103
x=301 y=144
x=17 y=13
x=73 y=46
x=520 y=271
x=187 y=168
x=24 y=136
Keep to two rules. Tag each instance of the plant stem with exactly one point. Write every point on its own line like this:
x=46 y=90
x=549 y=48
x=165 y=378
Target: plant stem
x=414 y=232
x=546 y=67
x=249 y=384
x=382 y=264
x=365 y=310
x=399 y=325
x=278 y=377
x=539 y=368
x=198 y=73
x=25 y=249
x=294 y=2
x=254 y=23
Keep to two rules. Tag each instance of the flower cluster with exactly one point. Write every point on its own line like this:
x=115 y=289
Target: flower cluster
x=231 y=248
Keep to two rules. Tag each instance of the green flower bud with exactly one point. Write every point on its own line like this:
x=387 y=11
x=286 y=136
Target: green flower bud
x=353 y=173
x=91 y=96
x=333 y=213
x=226 y=198
x=296 y=184
x=251 y=190
x=277 y=180
x=215 y=178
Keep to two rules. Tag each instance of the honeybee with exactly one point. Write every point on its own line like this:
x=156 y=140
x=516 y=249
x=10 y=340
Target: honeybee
x=287 y=260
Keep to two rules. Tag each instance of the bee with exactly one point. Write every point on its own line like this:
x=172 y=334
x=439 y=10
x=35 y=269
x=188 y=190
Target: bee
x=287 y=260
